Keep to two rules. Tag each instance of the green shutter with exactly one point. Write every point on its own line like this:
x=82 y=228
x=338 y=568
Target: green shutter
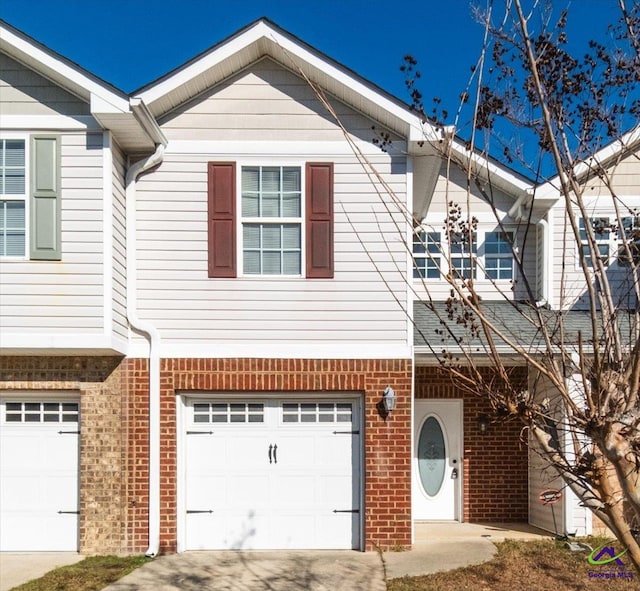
x=45 y=198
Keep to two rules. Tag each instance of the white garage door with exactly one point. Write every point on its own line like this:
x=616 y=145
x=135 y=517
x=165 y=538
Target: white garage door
x=39 y=475
x=272 y=474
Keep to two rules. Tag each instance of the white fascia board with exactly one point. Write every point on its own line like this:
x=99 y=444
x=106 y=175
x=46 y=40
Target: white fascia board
x=552 y=189
x=57 y=70
x=508 y=181
x=276 y=350
x=50 y=123
x=262 y=30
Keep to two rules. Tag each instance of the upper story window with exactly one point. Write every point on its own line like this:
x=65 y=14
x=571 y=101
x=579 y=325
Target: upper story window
x=631 y=230
x=602 y=234
x=491 y=252
x=280 y=220
x=13 y=197
x=30 y=197
x=272 y=220
x=498 y=255
x=464 y=254
x=426 y=254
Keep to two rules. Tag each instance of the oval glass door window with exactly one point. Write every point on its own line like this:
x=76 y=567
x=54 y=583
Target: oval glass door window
x=431 y=456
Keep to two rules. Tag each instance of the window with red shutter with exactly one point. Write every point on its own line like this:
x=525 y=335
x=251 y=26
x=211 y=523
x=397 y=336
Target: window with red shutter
x=270 y=221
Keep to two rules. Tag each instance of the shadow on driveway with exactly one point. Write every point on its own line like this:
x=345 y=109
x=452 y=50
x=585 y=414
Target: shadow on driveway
x=258 y=571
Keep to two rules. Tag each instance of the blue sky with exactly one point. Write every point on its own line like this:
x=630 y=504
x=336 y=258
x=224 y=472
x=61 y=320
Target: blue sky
x=131 y=42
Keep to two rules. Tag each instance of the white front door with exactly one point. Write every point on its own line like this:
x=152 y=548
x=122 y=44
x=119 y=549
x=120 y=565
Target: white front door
x=271 y=474
x=437 y=460
x=38 y=475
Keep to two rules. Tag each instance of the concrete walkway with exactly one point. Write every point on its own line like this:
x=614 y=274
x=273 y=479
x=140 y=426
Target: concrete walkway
x=437 y=547
x=17 y=568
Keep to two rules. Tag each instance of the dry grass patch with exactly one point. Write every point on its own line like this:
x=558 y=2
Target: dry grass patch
x=526 y=566
x=91 y=574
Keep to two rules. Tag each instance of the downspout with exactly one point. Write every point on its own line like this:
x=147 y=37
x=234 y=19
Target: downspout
x=153 y=336
x=546 y=266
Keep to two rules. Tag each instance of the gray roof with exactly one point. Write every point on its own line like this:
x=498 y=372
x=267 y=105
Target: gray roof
x=441 y=326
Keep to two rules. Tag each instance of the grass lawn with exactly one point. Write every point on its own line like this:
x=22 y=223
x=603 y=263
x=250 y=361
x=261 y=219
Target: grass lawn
x=528 y=566
x=91 y=574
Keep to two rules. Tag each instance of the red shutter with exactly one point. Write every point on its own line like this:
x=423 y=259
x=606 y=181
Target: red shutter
x=222 y=219
x=319 y=220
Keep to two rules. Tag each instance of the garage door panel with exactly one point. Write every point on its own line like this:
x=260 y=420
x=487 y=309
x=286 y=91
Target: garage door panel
x=281 y=472
x=39 y=475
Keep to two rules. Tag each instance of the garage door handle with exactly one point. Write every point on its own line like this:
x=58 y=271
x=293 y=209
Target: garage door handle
x=275 y=453
x=190 y=511
x=68 y=512
x=270 y=449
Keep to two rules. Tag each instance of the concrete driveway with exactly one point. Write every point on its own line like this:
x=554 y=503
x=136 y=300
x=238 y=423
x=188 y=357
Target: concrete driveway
x=437 y=547
x=258 y=571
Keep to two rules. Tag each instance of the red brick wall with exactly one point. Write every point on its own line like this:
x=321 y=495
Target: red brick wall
x=495 y=485
x=387 y=444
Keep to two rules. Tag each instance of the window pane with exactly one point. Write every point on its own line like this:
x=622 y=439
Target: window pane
x=251 y=236
x=250 y=179
x=270 y=179
x=291 y=179
x=12 y=228
x=291 y=263
x=250 y=206
x=291 y=236
x=271 y=236
x=12 y=167
x=271 y=263
x=291 y=205
x=14 y=153
x=270 y=206
x=251 y=263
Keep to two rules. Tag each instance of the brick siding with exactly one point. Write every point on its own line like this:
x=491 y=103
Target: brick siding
x=495 y=485
x=387 y=479
x=97 y=382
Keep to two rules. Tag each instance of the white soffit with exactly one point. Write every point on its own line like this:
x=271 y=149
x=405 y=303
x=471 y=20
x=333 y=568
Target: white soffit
x=264 y=39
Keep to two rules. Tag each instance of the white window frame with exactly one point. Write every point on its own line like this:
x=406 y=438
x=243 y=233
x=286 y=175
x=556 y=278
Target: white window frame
x=479 y=253
x=501 y=256
x=24 y=198
x=241 y=220
x=613 y=241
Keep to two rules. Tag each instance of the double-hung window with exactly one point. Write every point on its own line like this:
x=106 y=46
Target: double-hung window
x=278 y=223
x=426 y=254
x=463 y=255
x=272 y=220
x=602 y=234
x=631 y=231
x=498 y=255
x=13 y=197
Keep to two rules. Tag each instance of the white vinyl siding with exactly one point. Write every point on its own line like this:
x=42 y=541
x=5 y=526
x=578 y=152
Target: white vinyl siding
x=187 y=307
x=265 y=102
x=120 y=326
x=23 y=92
x=63 y=297
x=358 y=307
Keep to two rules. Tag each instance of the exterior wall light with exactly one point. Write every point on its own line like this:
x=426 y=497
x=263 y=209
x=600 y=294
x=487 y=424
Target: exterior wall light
x=483 y=423
x=389 y=399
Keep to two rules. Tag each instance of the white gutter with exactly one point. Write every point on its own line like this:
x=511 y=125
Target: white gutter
x=153 y=336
